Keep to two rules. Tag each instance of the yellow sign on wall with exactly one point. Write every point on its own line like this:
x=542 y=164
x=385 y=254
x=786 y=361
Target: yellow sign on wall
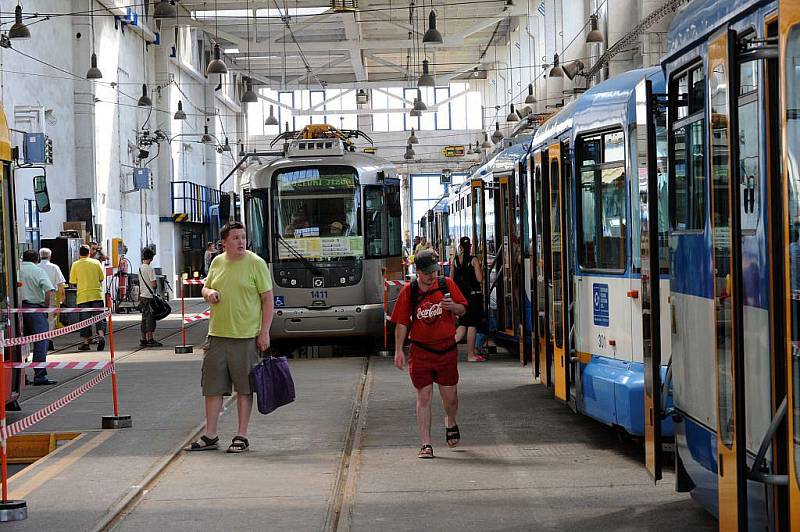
x=453 y=151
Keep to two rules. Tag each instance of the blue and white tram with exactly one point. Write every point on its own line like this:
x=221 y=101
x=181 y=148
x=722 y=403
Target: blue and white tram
x=589 y=342
x=733 y=85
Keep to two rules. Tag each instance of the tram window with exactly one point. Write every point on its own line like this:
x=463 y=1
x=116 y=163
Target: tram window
x=663 y=192
x=792 y=143
x=698 y=93
x=394 y=226
x=749 y=174
x=690 y=177
x=682 y=101
x=602 y=209
x=613 y=147
x=257 y=238
x=591 y=150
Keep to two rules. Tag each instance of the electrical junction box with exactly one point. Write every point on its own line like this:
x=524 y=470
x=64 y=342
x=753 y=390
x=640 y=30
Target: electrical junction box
x=142 y=180
x=37 y=148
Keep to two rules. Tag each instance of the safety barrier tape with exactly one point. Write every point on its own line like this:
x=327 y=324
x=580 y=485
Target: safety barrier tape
x=85 y=364
x=21 y=340
x=394 y=283
x=22 y=424
x=198 y=317
x=194 y=281
x=54 y=310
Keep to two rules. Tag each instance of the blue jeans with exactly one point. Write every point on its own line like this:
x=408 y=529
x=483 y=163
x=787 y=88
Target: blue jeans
x=35 y=324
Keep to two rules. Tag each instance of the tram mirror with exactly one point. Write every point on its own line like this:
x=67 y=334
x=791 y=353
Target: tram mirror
x=40 y=193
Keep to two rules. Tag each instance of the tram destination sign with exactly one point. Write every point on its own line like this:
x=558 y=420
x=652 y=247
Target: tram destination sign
x=314 y=182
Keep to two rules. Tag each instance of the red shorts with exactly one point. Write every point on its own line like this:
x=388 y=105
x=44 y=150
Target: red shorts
x=426 y=368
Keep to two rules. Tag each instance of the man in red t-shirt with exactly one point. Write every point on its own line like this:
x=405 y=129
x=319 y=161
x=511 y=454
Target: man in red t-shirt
x=433 y=355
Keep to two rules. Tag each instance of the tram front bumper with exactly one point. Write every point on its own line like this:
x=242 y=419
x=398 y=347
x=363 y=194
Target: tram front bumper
x=350 y=321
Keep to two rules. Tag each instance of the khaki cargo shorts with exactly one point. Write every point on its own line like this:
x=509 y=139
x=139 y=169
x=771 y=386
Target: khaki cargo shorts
x=226 y=362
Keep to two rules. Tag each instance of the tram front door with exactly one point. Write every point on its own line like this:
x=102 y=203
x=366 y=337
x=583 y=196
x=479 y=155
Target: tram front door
x=789 y=57
x=507 y=302
x=559 y=275
x=541 y=271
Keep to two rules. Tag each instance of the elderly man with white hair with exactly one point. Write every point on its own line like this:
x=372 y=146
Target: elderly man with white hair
x=53 y=272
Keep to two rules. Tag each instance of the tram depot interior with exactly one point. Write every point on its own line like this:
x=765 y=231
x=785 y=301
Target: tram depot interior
x=626 y=172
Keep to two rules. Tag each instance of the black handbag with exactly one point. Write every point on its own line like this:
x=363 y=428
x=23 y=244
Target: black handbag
x=161 y=308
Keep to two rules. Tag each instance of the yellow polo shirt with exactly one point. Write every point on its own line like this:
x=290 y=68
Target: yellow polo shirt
x=88 y=274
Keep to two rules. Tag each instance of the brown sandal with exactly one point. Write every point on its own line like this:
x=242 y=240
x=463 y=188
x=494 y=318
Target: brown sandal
x=425 y=452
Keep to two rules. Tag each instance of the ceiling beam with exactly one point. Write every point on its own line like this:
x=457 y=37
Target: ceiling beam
x=394 y=66
x=352 y=31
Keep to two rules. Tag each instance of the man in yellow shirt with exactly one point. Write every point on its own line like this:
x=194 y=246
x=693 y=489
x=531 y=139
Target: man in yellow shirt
x=88 y=275
x=239 y=288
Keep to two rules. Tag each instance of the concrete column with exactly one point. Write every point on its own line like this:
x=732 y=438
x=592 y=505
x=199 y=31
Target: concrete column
x=623 y=15
x=574 y=25
x=552 y=45
x=654 y=40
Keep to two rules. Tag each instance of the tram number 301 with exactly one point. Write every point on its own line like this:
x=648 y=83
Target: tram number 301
x=319 y=294
x=601 y=341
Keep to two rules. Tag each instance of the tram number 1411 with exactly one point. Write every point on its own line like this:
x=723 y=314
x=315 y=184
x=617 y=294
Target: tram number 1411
x=319 y=294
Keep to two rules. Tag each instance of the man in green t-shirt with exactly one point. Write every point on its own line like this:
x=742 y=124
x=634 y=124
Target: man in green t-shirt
x=239 y=288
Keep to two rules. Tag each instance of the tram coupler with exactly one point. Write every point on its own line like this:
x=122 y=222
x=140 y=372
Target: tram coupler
x=13 y=511
x=117 y=422
x=184 y=349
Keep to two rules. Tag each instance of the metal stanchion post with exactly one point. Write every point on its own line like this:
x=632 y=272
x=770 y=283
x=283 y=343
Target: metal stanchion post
x=184 y=348
x=385 y=351
x=9 y=510
x=116 y=421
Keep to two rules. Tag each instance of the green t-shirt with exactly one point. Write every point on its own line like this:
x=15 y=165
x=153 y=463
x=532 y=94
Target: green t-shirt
x=240 y=284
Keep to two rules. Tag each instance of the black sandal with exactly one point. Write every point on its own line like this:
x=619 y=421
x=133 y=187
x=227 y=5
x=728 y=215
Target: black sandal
x=204 y=444
x=426 y=452
x=452 y=434
x=239 y=444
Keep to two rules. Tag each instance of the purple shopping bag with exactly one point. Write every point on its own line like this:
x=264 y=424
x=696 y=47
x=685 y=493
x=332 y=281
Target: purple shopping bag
x=272 y=383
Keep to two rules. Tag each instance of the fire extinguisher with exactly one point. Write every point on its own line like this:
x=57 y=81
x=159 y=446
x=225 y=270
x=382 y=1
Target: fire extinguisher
x=123 y=278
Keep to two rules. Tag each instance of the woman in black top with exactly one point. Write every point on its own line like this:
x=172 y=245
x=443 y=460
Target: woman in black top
x=467 y=273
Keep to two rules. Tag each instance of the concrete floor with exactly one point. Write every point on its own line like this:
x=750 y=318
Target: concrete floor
x=526 y=462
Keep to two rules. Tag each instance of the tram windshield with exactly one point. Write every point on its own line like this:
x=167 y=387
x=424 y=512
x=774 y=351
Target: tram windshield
x=316 y=210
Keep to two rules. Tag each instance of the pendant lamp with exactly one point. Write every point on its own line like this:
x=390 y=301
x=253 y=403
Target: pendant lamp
x=179 y=114
x=144 y=100
x=432 y=36
x=412 y=139
x=271 y=120
x=249 y=95
x=165 y=9
x=556 y=71
x=594 y=35
x=512 y=116
x=486 y=144
x=497 y=136
x=216 y=65
x=530 y=98
x=426 y=80
x=19 y=30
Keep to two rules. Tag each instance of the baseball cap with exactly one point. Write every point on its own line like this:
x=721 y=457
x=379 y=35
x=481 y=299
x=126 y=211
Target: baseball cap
x=427 y=261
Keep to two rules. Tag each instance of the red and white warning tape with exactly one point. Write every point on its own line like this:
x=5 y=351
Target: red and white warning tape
x=198 y=317
x=194 y=281
x=54 y=310
x=394 y=283
x=21 y=340
x=85 y=364
x=22 y=424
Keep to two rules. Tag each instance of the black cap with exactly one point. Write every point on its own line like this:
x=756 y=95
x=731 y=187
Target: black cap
x=427 y=261
x=464 y=241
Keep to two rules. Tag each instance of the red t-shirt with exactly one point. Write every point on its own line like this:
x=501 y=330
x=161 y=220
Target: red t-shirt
x=432 y=324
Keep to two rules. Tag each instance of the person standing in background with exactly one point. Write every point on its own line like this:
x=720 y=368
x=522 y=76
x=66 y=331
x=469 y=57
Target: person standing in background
x=37 y=292
x=147 y=280
x=87 y=274
x=57 y=279
x=208 y=257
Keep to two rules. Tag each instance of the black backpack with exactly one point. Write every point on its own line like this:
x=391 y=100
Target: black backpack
x=415 y=294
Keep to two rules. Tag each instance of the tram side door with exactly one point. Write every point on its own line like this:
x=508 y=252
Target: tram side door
x=558 y=291
x=478 y=213
x=728 y=303
x=542 y=270
x=506 y=302
x=648 y=186
x=789 y=39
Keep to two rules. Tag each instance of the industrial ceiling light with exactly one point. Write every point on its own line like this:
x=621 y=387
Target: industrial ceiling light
x=206 y=138
x=144 y=100
x=594 y=35
x=469 y=151
x=241 y=149
x=249 y=95
x=497 y=136
x=477 y=150
x=486 y=144
x=412 y=138
x=362 y=98
x=19 y=30
x=573 y=68
x=556 y=71
x=216 y=65
x=415 y=112
x=226 y=147
x=530 y=98
x=419 y=105
x=426 y=80
x=271 y=120
x=94 y=72
x=432 y=36
x=512 y=116
x=409 y=154
x=179 y=114
x=165 y=9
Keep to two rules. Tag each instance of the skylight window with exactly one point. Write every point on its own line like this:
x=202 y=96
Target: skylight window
x=272 y=13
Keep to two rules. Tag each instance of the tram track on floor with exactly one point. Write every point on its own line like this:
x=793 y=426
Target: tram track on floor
x=75 y=378
x=340 y=506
